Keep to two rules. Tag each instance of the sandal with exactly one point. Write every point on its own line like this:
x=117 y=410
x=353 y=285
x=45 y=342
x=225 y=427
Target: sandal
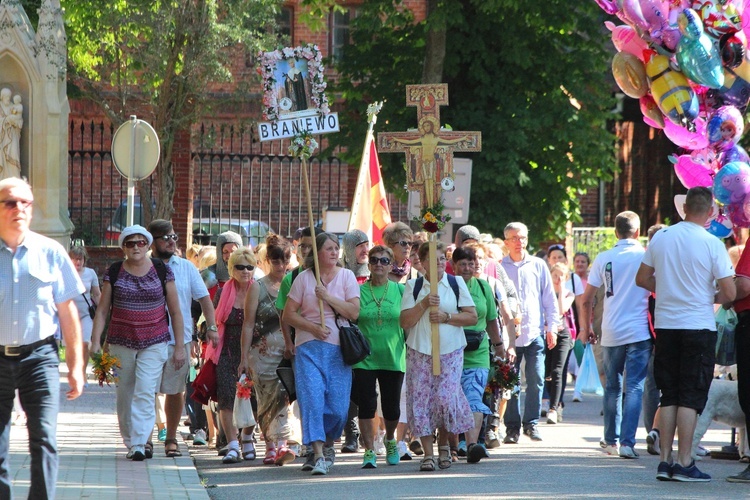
x=248 y=448
x=232 y=457
x=427 y=464
x=172 y=452
x=149 y=449
x=454 y=454
x=285 y=456
x=270 y=457
x=444 y=457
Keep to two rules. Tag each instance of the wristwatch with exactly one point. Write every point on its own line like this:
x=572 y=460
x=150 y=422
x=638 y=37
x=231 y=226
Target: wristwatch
x=498 y=344
x=448 y=318
x=213 y=328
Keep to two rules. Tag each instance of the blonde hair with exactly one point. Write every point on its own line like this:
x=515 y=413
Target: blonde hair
x=206 y=257
x=193 y=251
x=562 y=268
x=241 y=253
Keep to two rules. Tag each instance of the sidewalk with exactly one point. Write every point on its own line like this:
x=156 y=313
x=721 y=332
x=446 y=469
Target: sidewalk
x=92 y=456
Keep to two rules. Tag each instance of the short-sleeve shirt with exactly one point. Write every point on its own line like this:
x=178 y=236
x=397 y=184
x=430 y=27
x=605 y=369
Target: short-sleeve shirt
x=484 y=301
x=687 y=260
x=139 y=314
x=625 y=318
x=343 y=286
x=743 y=269
x=452 y=338
x=190 y=287
x=387 y=340
x=33 y=280
x=286 y=285
x=89 y=279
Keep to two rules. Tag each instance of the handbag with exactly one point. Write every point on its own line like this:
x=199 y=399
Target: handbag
x=285 y=372
x=204 y=385
x=473 y=339
x=92 y=306
x=354 y=346
x=726 y=325
x=588 y=375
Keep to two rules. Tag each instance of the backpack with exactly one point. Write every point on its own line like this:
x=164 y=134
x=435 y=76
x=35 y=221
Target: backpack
x=451 y=281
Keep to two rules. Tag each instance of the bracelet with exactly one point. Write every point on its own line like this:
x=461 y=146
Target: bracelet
x=499 y=344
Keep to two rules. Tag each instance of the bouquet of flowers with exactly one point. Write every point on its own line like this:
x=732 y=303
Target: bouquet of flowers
x=302 y=145
x=504 y=376
x=432 y=219
x=105 y=367
x=242 y=414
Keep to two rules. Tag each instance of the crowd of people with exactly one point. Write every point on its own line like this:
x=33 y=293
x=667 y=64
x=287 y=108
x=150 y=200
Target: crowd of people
x=232 y=312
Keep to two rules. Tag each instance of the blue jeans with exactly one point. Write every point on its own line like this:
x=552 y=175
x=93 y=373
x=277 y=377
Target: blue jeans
x=37 y=379
x=534 y=354
x=621 y=417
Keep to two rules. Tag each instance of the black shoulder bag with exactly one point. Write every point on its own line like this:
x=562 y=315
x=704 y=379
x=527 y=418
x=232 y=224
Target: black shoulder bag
x=354 y=346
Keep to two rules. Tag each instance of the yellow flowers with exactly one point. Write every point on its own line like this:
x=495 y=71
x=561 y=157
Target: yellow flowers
x=105 y=367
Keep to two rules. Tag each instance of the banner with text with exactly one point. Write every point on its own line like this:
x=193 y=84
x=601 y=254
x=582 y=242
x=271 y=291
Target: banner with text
x=283 y=129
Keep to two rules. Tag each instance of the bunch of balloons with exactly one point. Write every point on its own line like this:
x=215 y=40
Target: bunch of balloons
x=686 y=62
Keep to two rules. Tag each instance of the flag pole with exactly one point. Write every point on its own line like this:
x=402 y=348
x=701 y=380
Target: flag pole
x=372 y=117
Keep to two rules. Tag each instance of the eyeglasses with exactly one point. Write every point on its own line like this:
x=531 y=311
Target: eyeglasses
x=384 y=261
x=404 y=243
x=135 y=243
x=168 y=237
x=513 y=239
x=241 y=267
x=21 y=204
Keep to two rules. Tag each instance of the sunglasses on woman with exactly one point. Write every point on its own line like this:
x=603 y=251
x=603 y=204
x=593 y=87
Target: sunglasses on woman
x=384 y=261
x=135 y=243
x=242 y=267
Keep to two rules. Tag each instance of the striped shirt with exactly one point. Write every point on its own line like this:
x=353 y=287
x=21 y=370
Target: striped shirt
x=139 y=315
x=33 y=280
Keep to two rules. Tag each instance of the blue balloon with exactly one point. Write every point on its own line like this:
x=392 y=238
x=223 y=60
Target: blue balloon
x=732 y=183
x=736 y=153
x=718 y=229
x=696 y=54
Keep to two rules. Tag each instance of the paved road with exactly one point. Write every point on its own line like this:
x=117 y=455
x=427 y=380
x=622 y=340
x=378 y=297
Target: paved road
x=568 y=464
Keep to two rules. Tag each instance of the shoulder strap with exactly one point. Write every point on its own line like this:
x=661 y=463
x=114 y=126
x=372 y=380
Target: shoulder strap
x=454 y=285
x=295 y=273
x=114 y=272
x=418 y=286
x=161 y=270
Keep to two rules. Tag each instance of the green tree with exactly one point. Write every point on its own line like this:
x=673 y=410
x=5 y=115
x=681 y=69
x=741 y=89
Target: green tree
x=156 y=59
x=533 y=77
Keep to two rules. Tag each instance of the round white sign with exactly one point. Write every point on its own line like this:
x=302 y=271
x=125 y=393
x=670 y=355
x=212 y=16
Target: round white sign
x=144 y=151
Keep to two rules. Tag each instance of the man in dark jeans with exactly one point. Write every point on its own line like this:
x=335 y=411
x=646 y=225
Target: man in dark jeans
x=742 y=338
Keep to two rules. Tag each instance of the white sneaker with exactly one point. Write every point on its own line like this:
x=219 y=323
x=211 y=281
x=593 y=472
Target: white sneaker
x=628 y=452
x=577 y=397
x=378 y=445
x=552 y=417
x=652 y=442
x=612 y=449
x=491 y=439
x=403 y=451
x=320 y=468
x=199 y=438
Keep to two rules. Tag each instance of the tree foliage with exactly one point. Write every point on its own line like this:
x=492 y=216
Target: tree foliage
x=156 y=59
x=531 y=76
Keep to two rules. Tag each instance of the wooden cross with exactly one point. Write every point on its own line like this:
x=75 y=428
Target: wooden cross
x=429 y=150
x=429 y=161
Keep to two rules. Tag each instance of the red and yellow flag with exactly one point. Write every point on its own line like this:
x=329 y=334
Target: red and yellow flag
x=370 y=211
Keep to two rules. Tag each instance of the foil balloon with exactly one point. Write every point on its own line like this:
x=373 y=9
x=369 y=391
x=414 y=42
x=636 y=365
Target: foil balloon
x=721 y=226
x=608 y=6
x=630 y=74
x=625 y=39
x=671 y=91
x=736 y=90
x=732 y=183
x=651 y=113
x=736 y=153
x=685 y=137
x=739 y=213
x=719 y=17
x=732 y=49
x=725 y=128
x=647 y=15
x=692 y=173
x=698 y=57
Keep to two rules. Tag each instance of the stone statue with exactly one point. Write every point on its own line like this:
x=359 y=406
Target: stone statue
x=11 y=123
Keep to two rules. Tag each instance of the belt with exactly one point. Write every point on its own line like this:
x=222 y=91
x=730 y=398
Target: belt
x=20 y=350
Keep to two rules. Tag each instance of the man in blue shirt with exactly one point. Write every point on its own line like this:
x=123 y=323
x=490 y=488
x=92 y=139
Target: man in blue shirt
x=38 y=283
x=539 y=315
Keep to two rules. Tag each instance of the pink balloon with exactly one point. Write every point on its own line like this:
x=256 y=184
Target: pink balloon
x=625 y=39
x=686 y=139
x=647 y=15
x=692 y=173
x=739 y=213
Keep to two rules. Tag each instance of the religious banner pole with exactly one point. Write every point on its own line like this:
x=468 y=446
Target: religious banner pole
x=429 y=170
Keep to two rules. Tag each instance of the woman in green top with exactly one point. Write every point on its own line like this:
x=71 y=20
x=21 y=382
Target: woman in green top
x=477 y=362
x=380 y=308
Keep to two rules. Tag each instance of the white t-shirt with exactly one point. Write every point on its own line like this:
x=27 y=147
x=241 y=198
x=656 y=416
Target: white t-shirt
x=90 y=279
x=625 y=318
x=190 y=287
x=687 y=260
x=452 y=338
x=579 y=287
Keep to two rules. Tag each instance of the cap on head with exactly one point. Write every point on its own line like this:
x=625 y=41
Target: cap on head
x=467 y=233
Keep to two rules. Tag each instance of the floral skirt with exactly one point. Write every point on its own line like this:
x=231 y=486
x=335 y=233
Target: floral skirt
x=436 y=401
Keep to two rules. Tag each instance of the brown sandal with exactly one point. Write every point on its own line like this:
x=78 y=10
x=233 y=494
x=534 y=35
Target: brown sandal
x=174 y=452
x=444 y=457
x=427 y=464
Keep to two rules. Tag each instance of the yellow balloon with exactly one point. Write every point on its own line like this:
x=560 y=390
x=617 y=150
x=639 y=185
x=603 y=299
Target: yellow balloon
x=630 y=75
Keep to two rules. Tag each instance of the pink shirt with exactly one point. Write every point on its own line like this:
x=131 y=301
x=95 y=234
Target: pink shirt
x=343 y=286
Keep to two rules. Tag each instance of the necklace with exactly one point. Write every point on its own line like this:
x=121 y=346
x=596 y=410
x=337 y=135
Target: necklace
x=379 y=302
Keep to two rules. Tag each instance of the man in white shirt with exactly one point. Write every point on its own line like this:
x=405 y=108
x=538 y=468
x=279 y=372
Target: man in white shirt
x=626 y=339
x=190 y=287
x=681 y=265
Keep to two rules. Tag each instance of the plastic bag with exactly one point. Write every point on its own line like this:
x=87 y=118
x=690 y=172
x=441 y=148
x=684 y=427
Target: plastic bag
x=588 y=374
x=726 y=324
x=242 y=413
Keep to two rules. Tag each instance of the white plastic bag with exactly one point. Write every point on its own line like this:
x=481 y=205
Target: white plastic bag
x=588 y=374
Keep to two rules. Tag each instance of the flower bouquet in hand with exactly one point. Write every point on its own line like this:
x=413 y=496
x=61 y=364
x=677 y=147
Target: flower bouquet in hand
x=504 y=378
x=105 y=367
x=242 y=414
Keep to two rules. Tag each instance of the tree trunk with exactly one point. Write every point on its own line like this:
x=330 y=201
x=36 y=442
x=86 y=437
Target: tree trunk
x=432 y=72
